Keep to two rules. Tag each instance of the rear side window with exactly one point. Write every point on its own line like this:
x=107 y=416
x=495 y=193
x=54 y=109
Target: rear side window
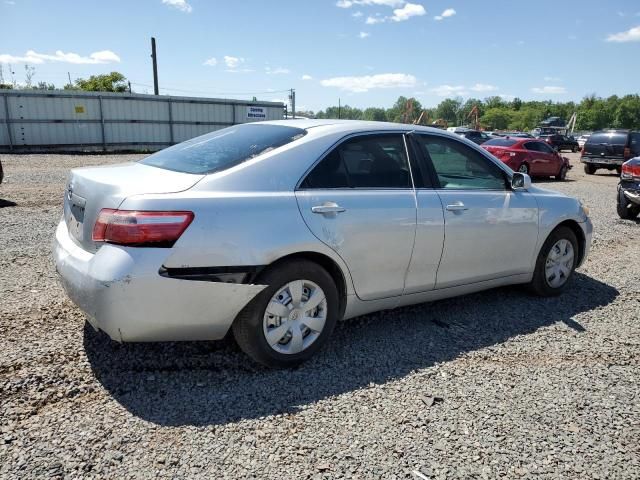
x=222 y=149
x=501 y=142
x=369 y=161
x=612 y=138
x=634 y=142
x=533 y=146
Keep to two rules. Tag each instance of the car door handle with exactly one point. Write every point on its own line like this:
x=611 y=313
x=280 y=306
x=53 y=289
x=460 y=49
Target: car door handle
x=328 y=207
x=456 y=207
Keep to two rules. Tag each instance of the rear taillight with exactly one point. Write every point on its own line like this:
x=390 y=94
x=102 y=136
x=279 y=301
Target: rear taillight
x=140 y=228
x=631 y=170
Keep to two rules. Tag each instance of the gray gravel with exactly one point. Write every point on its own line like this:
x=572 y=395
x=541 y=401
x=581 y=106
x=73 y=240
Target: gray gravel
x=497 y=384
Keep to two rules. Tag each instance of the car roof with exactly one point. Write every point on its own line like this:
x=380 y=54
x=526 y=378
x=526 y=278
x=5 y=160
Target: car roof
x=335 y=125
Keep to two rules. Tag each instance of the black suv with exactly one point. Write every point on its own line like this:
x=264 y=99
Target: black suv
x=629 y=189
x=561 y=142
x=609 y=149
x=475 y=136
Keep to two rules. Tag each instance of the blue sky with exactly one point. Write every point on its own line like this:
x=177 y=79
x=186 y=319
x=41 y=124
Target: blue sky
x=366 y=52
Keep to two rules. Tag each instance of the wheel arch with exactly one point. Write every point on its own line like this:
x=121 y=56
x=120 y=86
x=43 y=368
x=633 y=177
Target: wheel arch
x=326 y=262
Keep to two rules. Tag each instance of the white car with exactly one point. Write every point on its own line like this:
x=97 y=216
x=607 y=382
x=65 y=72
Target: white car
x=277 y=230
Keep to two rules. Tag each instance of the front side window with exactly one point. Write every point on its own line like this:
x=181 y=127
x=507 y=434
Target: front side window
x=368 y=161
x=222 y=149
x=533 y=146
x=544 y=148
x=459 y=167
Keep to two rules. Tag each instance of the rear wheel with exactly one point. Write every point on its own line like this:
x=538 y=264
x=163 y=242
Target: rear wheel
x=619 y=170
x=556 y=263
x=292 y=318
x=626 y=209
x=562 y=174
x=524 y=168
x=589 y=169
x=574 y=149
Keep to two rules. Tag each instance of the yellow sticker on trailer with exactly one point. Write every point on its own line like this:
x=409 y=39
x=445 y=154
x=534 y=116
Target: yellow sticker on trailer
x=79 y=108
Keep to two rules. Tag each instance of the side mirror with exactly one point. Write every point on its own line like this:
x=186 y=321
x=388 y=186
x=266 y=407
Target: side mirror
x=520 y=181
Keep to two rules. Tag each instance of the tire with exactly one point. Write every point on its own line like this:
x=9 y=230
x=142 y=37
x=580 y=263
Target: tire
x=626 y=209
x=562 y=174
x=540 y=284
x=524 y=168
x=589 y=169
x=574 y=149
x=250 y=326
x=619 y=170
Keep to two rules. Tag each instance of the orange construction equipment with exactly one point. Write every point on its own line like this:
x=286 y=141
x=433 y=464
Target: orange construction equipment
x=475 y=113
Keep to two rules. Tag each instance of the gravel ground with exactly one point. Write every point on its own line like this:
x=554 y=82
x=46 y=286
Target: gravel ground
x=496 y=384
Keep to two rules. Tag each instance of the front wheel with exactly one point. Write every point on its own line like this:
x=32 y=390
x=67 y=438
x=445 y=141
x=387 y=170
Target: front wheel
x=574 y=149
x=292 y=318
x=562 y=175
x=626 y=209
x=556 y=263
x=524 y=168
x=589 y=169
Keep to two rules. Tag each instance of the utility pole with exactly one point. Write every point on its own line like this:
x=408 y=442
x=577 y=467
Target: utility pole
x=70 y=84
x=154 y=59
x=292 y=97
x=339 y=108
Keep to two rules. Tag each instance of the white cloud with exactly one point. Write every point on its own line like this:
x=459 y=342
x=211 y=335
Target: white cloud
x=181 y=5
x=210 y=62
x=449 y=90
x=483 y=87
x=373 y=20
x=276 y=71
x=364 y=34
x=387 y=3
x=368 y=82
x=233 y=62
x=103 y=56
x=631 y=35
x=549 y=90
x=307 y=77
x=409 y=10
x=357 y=14
x=552 y=79
x=449 y=12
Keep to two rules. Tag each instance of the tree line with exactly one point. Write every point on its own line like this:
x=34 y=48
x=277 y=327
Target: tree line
x=496 y=113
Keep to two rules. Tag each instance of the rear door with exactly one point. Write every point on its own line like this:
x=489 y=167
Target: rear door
x=538 y=159
x=490 y=230
x=359 y=200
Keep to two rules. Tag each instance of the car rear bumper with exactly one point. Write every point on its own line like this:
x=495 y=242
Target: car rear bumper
x=605 y=161
x=631 y=190
x=123 y=294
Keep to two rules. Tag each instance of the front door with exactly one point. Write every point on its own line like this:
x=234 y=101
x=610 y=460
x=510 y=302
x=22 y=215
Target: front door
x=359 y=200
x=490 y=230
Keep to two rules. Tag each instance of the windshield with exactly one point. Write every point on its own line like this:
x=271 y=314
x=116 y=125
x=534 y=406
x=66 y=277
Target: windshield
x=222 y=149
x=501 y=142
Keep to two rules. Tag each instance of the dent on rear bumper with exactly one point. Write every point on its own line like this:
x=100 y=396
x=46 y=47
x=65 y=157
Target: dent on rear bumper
x=121 y=290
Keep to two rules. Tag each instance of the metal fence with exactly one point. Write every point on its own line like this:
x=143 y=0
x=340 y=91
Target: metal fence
x=88 y=121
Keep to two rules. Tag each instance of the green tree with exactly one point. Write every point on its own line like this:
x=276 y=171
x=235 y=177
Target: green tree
x=628 y=112
x=496 y=118
x=111 y=82
x=374 y=113
x=448 y=110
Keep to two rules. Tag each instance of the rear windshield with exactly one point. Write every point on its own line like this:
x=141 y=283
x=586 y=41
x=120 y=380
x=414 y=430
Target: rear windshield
x=222 y=149
x=611 y=138
x=501 y=142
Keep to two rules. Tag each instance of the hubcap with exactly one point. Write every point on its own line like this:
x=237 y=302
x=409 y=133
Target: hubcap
x=295 y=317
x=559 y=263
x=523 y=168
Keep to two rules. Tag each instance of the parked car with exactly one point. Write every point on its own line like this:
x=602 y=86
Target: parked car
x=475 y=136
x=516 y=134
x=530 y=156
x=582 y=139
x=561 y=142
x=629 y=189
x=609 y=149
x=276 y=230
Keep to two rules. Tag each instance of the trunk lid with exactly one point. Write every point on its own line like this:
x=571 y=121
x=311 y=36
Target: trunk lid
x=91 y=189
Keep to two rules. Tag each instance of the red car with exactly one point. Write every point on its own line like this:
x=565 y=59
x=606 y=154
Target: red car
x=526 y=155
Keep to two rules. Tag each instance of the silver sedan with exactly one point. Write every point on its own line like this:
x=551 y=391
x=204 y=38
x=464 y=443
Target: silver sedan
x=277 y=230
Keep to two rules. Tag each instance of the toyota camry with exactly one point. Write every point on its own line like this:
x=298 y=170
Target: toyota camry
x=277 y=230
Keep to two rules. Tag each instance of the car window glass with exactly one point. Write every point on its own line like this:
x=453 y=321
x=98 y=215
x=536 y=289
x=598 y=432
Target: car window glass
x=458 y=166
x=544 y=148
x=608 y=138
x=532 y=146
x=223 y=149
x=501 y=142
x=369 y=161
x=634 y=142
